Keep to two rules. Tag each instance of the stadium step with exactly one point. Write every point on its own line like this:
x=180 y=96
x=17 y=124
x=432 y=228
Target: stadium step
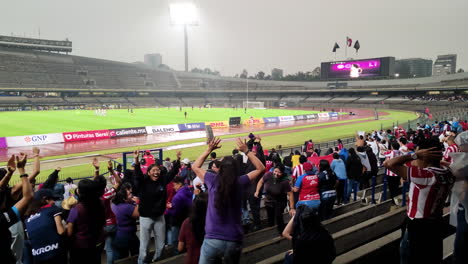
x=356 y=235
x=342 y=225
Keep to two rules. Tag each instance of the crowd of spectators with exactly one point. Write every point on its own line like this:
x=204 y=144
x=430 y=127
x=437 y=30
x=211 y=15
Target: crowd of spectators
x=206 y=211
x=440 y=97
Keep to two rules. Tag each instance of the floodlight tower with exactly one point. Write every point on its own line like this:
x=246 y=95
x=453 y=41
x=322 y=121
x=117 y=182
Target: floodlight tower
x=185 y=14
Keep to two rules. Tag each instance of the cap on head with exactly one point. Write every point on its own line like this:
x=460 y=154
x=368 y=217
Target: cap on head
x=307 y=166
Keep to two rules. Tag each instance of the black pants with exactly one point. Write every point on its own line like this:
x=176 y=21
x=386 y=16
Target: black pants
x=86 y=255
x=425 y=241
x=340 y=191
x=364 y=180
x=254 y=204
x=275 y=211
x=393 y=184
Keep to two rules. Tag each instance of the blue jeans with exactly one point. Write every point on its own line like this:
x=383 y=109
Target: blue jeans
x=215 y=250
x=460 y=254
x=110 y=234
x=173 y=238
x=353 y=185
x=148 y=225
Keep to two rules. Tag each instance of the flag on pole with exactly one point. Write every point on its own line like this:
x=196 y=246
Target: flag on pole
x=357 y=46
x=349 y=41
x=336 y=47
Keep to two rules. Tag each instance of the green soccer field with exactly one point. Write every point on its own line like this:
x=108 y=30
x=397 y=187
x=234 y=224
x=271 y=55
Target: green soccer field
x=41 y=122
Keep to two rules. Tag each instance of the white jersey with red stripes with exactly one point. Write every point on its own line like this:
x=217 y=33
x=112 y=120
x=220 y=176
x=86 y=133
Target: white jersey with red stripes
x=429 y=188
x=298 y=171
x=451 y=149
x=390 y=155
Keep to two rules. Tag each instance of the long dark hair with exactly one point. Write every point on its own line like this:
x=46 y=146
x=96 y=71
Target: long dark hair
x=51 y=180
x=121 y=195
x=227 y=182
x=325 y=166
x=198 y=216
x=89 y=193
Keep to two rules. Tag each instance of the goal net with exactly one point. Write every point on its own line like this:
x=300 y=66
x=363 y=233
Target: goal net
x=254 y=104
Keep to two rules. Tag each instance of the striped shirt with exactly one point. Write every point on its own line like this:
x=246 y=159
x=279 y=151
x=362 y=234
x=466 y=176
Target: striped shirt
x=298 y=171
x=429 y=188
x=451 y=149
x=390 y=155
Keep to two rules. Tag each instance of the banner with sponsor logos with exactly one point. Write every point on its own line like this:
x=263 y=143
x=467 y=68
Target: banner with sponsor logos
x=253 y=121
x=191 y=126
x=267 y=120
x=125 y=132
x=3 y=143
x=162 y=129
x=235 y=121
x=286 y=118
x=333 y=114
x=300 y=117
x=86 y=135
x=323 y=115
x=33 y=140
x=312 y=116
x=218 y=124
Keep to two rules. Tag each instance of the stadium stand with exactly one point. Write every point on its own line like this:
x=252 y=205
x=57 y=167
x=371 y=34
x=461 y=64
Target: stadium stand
x=78 y=79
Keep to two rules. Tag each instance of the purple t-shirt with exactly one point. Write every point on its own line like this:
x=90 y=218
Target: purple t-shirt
x=83 y=221
x=123 y=213
x=225 y=224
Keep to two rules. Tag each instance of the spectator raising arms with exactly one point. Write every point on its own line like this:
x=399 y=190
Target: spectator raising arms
x=125 y=208
x=151 y=189
x=430 y=185
x=224 y=234
x=12 y=214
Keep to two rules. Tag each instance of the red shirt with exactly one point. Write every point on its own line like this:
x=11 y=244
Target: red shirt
x=309 y=186
x=429 y=188
x=107 y=197
x=192 y=245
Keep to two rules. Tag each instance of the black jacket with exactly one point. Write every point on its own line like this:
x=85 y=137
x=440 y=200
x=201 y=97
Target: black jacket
x=354 y=168
x=153 y=194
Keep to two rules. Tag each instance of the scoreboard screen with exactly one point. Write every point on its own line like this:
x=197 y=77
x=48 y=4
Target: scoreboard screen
x=358 y=69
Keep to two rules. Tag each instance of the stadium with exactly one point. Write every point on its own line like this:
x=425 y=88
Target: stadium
x=76 y=109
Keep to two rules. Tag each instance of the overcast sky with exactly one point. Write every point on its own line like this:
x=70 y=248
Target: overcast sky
x=253 y=34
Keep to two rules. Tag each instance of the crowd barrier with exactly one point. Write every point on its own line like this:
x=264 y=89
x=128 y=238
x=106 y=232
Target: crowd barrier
x=42 y=139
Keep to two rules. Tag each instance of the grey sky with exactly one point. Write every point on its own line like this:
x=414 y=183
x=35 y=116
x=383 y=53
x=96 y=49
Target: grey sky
x=253 y=34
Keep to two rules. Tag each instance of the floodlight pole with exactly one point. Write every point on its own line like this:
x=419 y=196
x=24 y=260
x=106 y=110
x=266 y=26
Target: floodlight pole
x=247 y=91
x=186 y=47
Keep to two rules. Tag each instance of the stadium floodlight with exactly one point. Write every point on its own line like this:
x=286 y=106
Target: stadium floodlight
x=186 y=14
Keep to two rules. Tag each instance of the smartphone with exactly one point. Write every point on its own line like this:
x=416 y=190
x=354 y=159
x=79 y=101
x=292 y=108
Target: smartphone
x=209 y=133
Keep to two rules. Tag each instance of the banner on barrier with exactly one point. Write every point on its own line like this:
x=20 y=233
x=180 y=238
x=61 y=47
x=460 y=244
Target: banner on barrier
x=333 y=114
x=323 y=115
x=162 y=129
x=191 y=126
x=316 y=160
x=218 y=124
x=125 y=132
x=271 y=120
x=300 y=117
x=3 y=143
x=234 y=121
x=286 y=118
x=312 y=116
x=32 y=140
x=86 y=135
x=253 y=121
